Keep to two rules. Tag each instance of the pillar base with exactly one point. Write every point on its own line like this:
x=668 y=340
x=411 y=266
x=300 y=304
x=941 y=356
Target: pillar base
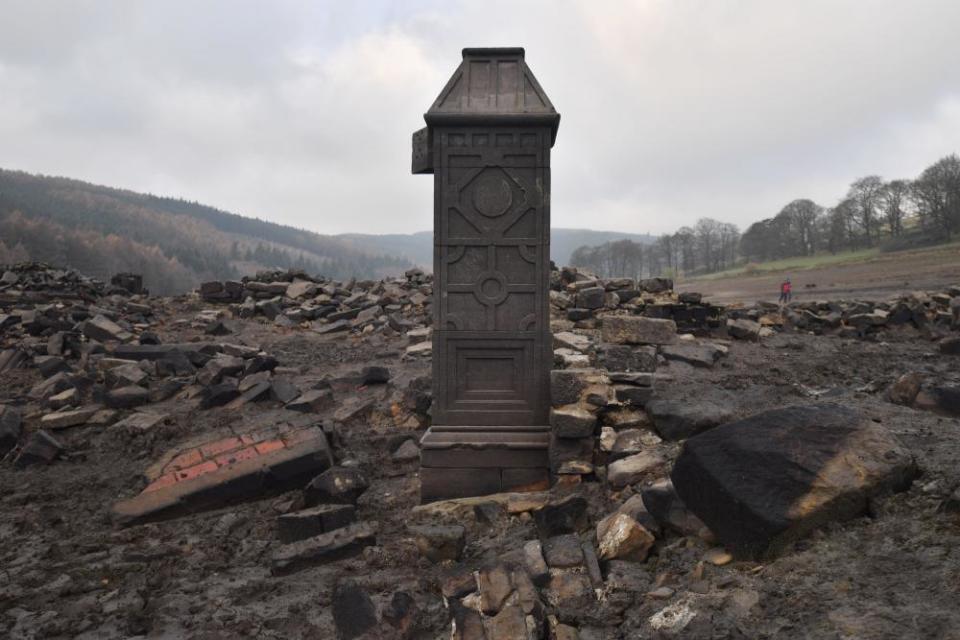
x=466 y=461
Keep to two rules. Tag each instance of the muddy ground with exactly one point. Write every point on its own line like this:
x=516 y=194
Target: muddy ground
x=67 y=571
x=900 y=273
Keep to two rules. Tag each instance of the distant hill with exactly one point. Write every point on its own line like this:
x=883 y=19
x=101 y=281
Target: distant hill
x=418 y=247
x=174 y=244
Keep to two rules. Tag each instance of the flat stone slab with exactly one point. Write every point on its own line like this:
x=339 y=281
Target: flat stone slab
x=326 y=547
x=765 y=481
x=228 y=470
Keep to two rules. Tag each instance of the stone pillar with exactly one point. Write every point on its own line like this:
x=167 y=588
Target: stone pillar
x=487 y=144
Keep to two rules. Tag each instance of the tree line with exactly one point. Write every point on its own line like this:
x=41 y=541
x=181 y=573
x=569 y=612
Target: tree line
x=895 y=214
x=177 y=244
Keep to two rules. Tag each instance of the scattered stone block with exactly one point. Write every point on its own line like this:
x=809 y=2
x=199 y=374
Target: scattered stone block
x=437 y=543
x=572 y=422
x=40 y=448
x=495 y=587
x=566 y=385
x=283 y=391
x=340 y=485
x=663 y=503
x=66 y=398
x=621 y=537
x=638 y=330
x=67 y=419
x=308 y=523
x=704 y=356
x=374 y=375
x=904 y=391
x=141 y=421
x=534 y=562
x=567 y=515
x=631 y=469
x=127 y=397
x=406 y=452
x=225 y=471
x=563 y=552
x=313 y=401
x=354 y=613
x=10 y=428
x=218 y=395
x=743 y=329
x=677 y=420
x=763 y=482
x=103 y=329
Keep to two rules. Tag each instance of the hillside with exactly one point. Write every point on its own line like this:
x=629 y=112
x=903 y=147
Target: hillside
x=418 y=246
x=174 y=243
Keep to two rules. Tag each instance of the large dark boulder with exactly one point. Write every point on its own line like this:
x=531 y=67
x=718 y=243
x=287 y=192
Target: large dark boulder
x=765 y=481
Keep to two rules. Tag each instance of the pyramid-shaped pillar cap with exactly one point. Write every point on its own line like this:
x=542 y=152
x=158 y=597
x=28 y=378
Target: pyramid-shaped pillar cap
x=493 y=86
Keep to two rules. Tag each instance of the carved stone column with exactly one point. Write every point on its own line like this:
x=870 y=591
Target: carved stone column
x=487 y=143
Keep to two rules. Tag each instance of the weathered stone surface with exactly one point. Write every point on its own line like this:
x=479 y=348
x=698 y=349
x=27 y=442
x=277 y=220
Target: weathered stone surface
x=663 y=503
x=697 y=355
x=437 y=543
x=572 y=422
x=229 y=470
x=125 y=375
x=904 y=391
x=66 y=398
x=402 y=613
x=354 y=613
x=950 y=346
x=66 y=419
x=590 y=298
x=406 y=452
x=341 y=485
x=219 y=395
x=326 y=547
x=495 y=587
x=570 y=340
x=40 y=448
x=307 y=523
x=942 y=399
x=563 y=552
x=10 y=428
x=621 y=537
x=312 y=401
x=127 y=397
x=566 y=385
x=743 y=329
x=103 y=329
x=509 y=624
x=763 y=482
x=534 y=562
x=374 y=375
x=676 y=420
x=567 y=515
x=634 y=468
x=638 y=330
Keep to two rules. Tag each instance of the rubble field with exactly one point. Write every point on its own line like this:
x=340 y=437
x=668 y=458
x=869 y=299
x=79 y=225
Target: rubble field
x=243 y=462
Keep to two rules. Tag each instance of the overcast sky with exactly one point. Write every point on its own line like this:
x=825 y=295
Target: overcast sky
x=301 y=112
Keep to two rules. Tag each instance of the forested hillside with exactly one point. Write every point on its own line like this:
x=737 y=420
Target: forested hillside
x=173 y=243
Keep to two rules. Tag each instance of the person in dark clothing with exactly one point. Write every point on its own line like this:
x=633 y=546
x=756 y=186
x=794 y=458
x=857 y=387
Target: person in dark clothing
x=786 y=292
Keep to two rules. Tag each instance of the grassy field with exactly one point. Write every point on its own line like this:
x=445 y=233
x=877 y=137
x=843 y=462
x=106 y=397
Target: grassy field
x=820 y=260
x=870 y=273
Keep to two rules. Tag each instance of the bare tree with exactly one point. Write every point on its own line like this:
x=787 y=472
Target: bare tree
x=867 y=194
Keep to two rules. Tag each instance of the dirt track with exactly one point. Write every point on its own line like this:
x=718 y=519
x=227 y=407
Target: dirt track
x=879 y=278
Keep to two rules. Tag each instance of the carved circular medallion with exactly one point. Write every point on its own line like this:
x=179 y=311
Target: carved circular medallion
x=490 y=287
x=492 y=195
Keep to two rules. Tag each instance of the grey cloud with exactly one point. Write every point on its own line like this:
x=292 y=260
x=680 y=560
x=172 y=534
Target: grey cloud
x=301 y=112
